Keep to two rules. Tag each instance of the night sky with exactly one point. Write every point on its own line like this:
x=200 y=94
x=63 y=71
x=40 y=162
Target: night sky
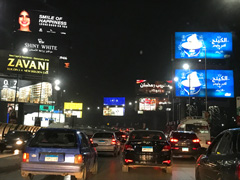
x=113 y=43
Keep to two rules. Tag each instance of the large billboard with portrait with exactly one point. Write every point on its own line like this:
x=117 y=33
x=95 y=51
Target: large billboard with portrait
x=113 y=111
x=220 y=83
x=25 y=91
x=192 y=45
x=145 y=87
x=18 y=63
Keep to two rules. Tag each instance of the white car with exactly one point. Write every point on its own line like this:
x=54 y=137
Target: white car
x=107 y=143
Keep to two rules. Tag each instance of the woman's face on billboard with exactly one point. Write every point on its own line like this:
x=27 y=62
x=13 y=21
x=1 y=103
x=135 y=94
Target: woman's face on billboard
x=24 y=19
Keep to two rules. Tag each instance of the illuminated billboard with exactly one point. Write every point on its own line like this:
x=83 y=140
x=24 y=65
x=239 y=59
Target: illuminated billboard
x=153 y=103
x=220 y=83
x=152 y=87
x=113 y=111
x=114 y=101
x=25 y=91
x=37 y=64
x=35 y=21
x=73 y=106
x=192 y=45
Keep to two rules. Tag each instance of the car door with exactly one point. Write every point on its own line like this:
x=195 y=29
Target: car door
x=85 y=150
x=205 y=166
x=93 y=153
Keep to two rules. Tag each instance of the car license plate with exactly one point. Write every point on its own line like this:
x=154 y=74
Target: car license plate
x=147 y=149
x=101 y=141
x=51 y=158
x=8 y=146
x=185 y=149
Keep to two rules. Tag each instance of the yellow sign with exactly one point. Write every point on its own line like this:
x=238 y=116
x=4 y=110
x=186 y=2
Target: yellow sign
x=73 y=106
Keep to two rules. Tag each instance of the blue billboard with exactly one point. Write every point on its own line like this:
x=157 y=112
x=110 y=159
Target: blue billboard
x=220 y=83
x=192 y=45
x=114 y=101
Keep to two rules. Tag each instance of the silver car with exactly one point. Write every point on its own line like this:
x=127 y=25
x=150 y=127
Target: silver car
x=107 y=142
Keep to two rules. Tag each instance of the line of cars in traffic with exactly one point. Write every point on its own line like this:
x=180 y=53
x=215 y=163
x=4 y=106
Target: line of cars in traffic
x=73 y=152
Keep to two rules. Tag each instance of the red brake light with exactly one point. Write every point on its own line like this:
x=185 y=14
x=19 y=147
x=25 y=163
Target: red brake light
x=91 y=140
x=194 y=148
x=128 y=147
x=123 y=136
x=196 y=140
x=128 y=160
x=208 y=142
x=113 y=142
x=25 y=157
x=238 y=172
x=166 y=162
x=166 y=148
x=175 y=148
x=173 y=140
x=78 y=159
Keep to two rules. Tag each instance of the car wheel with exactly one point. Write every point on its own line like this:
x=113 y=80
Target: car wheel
x=169 y=169
x=125 y=168
x=197 y=176
x=95 y=168
x=83 y=175
x=29 y=177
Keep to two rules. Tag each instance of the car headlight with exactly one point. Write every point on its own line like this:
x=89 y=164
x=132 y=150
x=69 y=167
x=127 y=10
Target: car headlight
x=19 y=142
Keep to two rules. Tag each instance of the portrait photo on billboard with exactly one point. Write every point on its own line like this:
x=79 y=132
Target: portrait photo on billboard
x=38 y=21
x=153 y=103
x=220 y=83
x=194 y=45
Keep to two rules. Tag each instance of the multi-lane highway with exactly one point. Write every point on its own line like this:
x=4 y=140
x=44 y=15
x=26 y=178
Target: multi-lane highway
x=109 y=169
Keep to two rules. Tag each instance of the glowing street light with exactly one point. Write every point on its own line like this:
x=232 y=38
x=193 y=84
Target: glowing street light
x=24 y=50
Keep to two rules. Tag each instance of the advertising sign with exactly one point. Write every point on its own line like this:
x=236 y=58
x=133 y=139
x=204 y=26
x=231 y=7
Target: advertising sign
x=27 y=64
x=113 y=111
x=40 y=22
x=192 y=45
x=114 y=101
x=46 y=108
x=147 y=87
x=25 y=91
x=73 y=106
x=220 y=83
x=152 y=103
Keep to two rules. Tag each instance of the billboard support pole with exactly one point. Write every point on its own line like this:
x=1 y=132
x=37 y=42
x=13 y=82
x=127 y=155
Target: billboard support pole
x=206 y=105
x=15 y=100
x=189 y=106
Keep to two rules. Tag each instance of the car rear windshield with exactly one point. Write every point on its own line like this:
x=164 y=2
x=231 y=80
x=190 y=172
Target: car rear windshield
x=197 y=128
x=119 y=134
x=58 y=139
x=14 y=134
x=147 y=135
x=103 y=135
x=184 y=136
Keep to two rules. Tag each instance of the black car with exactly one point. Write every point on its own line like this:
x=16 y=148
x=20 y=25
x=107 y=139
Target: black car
x=16 y=139
x=121 y=136
x=222 y=159
x=147 y=149
x=184 y=144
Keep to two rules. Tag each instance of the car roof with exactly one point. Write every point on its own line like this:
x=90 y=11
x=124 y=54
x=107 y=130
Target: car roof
x=146 y=131
x=186 y=132
x=58 y=129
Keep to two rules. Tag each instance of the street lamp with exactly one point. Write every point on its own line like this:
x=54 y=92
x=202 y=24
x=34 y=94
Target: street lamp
x=187 y=67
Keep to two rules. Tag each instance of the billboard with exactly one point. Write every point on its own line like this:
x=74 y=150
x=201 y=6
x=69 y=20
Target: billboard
x=152 y=87
x=12 y=62
x=192 y=45
x=220 y=83
x=113 y=111
x=35 y=21
x=114 y=101
x=73 y=106
x=152 y=103
x=25 y=91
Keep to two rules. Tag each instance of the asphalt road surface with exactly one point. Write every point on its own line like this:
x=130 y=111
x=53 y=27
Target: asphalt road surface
x=109 y=169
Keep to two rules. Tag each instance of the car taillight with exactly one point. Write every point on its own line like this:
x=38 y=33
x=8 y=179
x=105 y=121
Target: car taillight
x=238 y=172
x=194 y=148
x=128 y=147
x=113 y=142
x=167 y=162
x=78 y=159
x=25 y=157
x=196 y=140
x=175 y=148
x=128 y=160
x=173 y=140
x=123 y=136
x=166 y=148
x=208 y=142
x=91 y=140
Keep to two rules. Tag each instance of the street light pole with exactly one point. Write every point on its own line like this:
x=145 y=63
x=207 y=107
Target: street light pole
x=206 y=105
x=189 y=100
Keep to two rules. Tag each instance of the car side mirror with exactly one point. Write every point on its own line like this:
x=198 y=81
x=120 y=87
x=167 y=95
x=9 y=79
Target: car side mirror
x=94 y=145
